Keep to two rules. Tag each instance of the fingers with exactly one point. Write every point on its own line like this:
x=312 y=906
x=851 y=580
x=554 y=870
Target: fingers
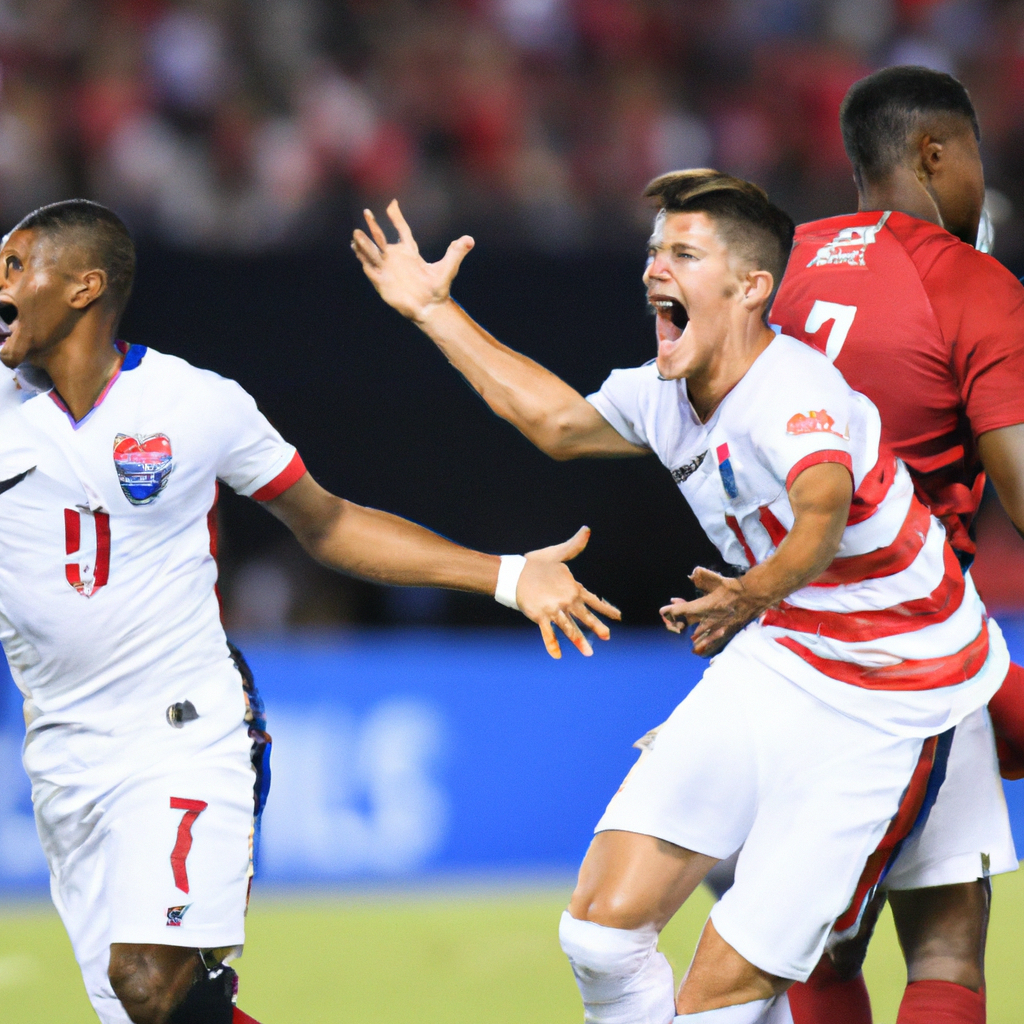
x=401 y=225
x=376 y=231
x=589 y=619
x=601 y=605
x=455 y=255
x=367 y=253
x=568 y=549
x=550 y=640
x=706 y=580
x=567 y=624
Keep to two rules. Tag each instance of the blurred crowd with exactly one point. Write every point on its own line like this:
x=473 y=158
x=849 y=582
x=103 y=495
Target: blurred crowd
x=246 y=124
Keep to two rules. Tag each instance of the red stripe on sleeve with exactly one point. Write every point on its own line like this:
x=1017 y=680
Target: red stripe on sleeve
x=290 y=475
x=828 y=455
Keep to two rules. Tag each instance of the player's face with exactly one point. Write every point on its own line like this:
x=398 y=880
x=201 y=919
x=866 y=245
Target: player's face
x=958 y=187
x=33 y=298
x=693 y=284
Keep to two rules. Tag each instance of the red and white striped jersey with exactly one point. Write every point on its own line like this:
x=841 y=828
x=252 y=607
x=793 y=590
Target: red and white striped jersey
x=108 y=609
x=892 y=631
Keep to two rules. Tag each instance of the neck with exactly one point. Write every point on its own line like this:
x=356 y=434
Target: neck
x=901 y=190
x=708 y=388
x=81 y=366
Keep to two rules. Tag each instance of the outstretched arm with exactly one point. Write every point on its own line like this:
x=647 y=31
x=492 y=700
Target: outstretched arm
x=554 y=416
x=820 y=497
x=387 y=549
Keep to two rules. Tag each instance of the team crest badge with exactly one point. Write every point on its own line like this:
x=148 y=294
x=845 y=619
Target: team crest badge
x=813 y=423
x=175 y=914
x=143 y=465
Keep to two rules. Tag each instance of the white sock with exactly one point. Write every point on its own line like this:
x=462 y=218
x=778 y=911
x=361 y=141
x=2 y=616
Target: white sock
x=622 y=977
x=757 y=1012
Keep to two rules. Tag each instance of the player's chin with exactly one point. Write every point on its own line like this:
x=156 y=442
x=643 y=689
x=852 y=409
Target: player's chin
x=9 y=354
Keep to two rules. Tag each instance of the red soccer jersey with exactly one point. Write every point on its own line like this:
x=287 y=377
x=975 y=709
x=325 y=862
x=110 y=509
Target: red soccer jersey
x=930 y=329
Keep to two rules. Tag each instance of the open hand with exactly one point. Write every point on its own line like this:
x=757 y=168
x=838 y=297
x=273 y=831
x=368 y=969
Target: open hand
x=722 y=610
x=547 y=593
x=402 y=277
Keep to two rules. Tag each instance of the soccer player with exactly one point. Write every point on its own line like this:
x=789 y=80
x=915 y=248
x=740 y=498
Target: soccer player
x=141 y=727
x=853 y=631
x=932 y=331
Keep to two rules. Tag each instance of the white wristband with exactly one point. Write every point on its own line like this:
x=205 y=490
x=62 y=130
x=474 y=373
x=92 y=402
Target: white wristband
x=509 y=571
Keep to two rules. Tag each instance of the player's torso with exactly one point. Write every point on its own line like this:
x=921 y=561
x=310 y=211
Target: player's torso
x=721 y=467
x=108 y=568
x=852 y=292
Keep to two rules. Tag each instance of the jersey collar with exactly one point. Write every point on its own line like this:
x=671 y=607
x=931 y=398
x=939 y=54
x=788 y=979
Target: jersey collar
x=131 y=356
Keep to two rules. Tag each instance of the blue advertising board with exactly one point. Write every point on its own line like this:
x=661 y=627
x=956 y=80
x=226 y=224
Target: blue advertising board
x=406 y=754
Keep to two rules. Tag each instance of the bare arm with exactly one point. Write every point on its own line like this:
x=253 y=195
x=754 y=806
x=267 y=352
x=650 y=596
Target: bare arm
x=1002 y=455
x=387 y=549
x=554 y=416
x=820 y=497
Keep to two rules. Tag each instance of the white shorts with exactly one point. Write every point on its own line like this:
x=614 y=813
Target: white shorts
x=967 y=832
x=165 y=857
x=750 y=759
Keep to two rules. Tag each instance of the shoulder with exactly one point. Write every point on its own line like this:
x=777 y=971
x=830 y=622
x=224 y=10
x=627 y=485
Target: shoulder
x=794 y=368
x=167 y=371
x=944 y=261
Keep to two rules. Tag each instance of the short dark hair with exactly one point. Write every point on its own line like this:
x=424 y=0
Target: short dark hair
x=745 y=217
x=98 y=232
x=880 y=113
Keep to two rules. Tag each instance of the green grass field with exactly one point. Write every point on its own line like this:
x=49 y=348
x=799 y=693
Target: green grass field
x=461 y=957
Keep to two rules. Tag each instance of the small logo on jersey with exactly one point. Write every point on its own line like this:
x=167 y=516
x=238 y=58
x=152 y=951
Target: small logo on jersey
x=813 y=423
x=685 y=472
x=175 y=914
x=848 y=248
x=143 y=465
x=725 y=471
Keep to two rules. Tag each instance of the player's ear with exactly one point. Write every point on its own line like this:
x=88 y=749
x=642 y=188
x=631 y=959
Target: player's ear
x=89 y=286
x=928 y=155
x=758 y=288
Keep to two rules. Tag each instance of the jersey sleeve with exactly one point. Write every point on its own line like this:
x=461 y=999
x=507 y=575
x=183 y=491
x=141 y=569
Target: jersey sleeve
x=255 y=461
x=621 y=402
x=808 y=424
x=980 y=308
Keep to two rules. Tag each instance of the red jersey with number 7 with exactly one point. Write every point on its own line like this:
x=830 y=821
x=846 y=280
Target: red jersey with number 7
x=928 y=328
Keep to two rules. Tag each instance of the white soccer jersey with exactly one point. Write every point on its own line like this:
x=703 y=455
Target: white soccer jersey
x=108 y=609
x=892 y=632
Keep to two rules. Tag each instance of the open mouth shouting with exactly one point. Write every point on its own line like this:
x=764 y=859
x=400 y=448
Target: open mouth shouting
x=671 y=316
x=8 y=315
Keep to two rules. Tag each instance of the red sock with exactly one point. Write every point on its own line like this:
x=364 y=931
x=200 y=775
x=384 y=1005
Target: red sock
x=941 y=1002
x=1007 y=711
x=242 y=1018
x=825 y=998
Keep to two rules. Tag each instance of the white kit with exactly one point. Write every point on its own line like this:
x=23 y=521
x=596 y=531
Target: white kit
x=137 y=745
x=807 y=731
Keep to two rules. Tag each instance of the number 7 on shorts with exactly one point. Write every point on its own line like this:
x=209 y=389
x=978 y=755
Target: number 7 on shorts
x=192 y=809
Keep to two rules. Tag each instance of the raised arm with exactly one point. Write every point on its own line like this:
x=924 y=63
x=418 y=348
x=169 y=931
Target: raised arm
x=820 y=497
x=554 y=416
x=384 y=548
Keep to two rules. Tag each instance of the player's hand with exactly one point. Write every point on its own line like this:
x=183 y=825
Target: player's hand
x=548 y=594
x=723 y=608
x=402 y=277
